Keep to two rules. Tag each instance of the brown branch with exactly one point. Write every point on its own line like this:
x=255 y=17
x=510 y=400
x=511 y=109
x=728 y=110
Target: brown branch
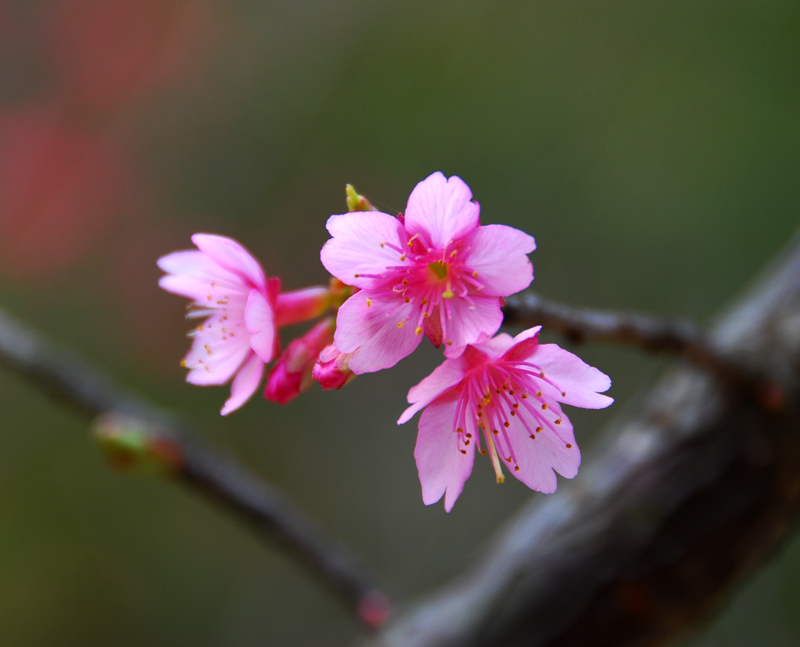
x=690 y=492
x=669 y=336
x=81 y=387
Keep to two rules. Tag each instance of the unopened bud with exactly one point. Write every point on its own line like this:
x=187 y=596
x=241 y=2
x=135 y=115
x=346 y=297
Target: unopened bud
x=129 y=445
x=332 y=369
x=356 y=201
x=298 y=306
x=292 y=374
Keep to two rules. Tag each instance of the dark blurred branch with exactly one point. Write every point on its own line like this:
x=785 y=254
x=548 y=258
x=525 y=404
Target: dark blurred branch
x=669 y=336
x=691 y=490
x=76 y=384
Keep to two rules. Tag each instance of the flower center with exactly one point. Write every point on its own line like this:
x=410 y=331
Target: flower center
x=502 y=400
x=439 y=271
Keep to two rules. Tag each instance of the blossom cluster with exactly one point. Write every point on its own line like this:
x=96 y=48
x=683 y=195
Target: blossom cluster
x=433 y=271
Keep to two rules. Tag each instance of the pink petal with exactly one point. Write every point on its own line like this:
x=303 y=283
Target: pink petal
x=441 y=210
x=581 y=383
x=524 y=345
x=471 y=323
x=496 y=346
x=356 y=247
x=245 y=384
x=214 y=361
x=198 y=265
x=442 y=468
x=259 y=317
x=499 y=255
x=378 y=335
x=185 y=286
x=211 y=294
x=538 y=458
x=231 y=256
x=525 y=335
x=444 y=377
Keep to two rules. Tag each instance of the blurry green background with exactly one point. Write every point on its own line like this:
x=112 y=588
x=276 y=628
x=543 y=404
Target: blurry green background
x=652 y=148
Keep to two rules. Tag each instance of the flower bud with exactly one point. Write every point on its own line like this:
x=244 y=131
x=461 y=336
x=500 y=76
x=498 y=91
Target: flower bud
x=129 y=445
x=332 y=369
x=292 y=374
x=356 y=201
x=298 y=306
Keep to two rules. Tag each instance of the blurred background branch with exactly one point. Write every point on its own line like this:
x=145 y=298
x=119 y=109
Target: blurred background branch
x=670 y=336
x=136 y=435
x=652 y=149
x=695 y=488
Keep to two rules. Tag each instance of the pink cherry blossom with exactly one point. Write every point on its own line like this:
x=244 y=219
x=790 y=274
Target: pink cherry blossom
x=435 y=270
x=506 y=394
x=242 y=309
x=229 y=288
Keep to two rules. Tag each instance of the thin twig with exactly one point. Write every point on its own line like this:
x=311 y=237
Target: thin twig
x=74 y=383
x=676 y=337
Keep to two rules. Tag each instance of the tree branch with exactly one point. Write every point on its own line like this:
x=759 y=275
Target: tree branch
x=670 y=336
x=74 y=383
x=690 y=491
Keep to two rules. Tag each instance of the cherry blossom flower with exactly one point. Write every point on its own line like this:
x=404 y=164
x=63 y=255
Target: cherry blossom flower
x=242 y=309
x=504 y=394
x=434 y=270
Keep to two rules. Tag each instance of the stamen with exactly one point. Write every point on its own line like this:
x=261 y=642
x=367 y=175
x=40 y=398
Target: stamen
x=495 y=460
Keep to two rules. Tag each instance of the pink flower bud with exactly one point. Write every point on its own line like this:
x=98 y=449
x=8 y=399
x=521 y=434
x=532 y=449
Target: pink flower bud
x=301 y=305
x=332 y=369
x=292 y=374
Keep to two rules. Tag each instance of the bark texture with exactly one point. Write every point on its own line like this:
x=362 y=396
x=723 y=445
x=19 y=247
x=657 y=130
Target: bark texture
x=693 y=488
